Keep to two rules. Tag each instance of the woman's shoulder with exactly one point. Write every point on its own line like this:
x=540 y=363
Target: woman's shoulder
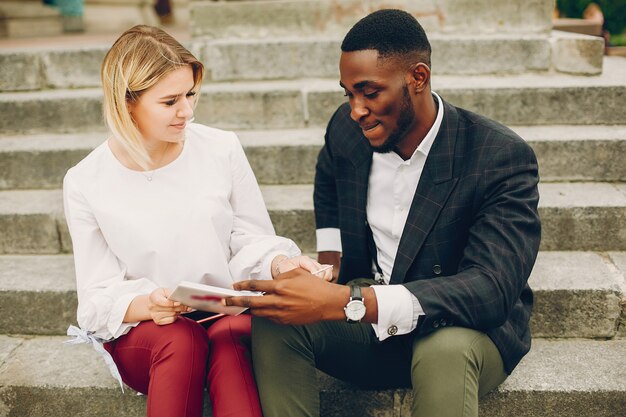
x=91 y=164
x=211 y=138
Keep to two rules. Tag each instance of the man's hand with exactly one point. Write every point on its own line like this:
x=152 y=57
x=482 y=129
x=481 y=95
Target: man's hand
x=331 y=258
x=295 y=297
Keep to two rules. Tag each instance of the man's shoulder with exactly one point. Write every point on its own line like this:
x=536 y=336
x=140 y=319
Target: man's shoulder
x=480 y=128
x=341 y=121
x=342 y=133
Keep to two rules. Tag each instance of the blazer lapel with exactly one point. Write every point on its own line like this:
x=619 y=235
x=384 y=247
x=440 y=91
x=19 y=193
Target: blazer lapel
x=433 y=190
x=362 y=160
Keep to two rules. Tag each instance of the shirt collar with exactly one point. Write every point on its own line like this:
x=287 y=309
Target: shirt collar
x=425 y=145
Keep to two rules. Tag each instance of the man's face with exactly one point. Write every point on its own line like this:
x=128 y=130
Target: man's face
x=379 y=98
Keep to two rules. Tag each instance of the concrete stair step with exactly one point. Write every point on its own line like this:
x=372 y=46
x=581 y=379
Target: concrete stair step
x=37 y=68
x=578 y=294
x=575 y=216
x=254 y=19
x=525 y=99
x=292 y=58
x=20 y=19
x=41 y=377
x=565 y=153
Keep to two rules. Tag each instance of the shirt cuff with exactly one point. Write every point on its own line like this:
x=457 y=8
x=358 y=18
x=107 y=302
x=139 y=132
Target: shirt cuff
x=328 y=240
x=115 y=323
x=398 y=311
x=266 y=269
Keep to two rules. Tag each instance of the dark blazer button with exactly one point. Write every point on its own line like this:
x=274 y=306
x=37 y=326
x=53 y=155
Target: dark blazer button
x=435 y=324
x=443 y=322
x=437 y=269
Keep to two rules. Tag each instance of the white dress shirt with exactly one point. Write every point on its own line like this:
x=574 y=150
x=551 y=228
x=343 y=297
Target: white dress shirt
x=201 y=218
x=392 y=185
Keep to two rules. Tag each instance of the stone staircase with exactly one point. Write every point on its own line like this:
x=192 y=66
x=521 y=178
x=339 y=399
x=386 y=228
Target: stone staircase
x=272 y=76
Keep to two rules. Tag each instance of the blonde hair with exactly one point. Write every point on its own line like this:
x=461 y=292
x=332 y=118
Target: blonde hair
x=138 y=59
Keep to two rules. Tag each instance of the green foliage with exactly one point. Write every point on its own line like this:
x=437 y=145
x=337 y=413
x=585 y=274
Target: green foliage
x=614 y=12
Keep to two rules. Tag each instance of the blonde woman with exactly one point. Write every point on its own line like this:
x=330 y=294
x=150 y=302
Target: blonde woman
x=160 y=201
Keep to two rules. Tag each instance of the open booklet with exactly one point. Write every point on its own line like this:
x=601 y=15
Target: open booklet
x=208 y=298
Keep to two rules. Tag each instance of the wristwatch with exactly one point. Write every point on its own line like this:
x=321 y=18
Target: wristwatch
x=355 y=309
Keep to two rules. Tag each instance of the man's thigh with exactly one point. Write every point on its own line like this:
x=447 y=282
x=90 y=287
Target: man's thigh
x=451 y=369
x=352 y=352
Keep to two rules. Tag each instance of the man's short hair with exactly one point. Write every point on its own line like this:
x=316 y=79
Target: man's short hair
x=391 y=32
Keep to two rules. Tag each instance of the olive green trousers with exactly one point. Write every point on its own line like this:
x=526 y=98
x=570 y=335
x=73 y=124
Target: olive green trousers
x=448 y=370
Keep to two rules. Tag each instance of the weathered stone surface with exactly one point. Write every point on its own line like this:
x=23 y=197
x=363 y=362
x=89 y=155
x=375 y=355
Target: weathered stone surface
x=577 y=54
x=619 y=260
x=578 y=153
x=582 y=216
x=44 y=281
x=52 y=111
x=7 y=346
x=526 y=99
x=20 y=19
x=515 y=99
x=73 y=68
x=565 y=153
x=41 y=161
x=585 y=216
x=251 y=106
x=28 y=220
x=254 y=19
x=283 y=157
x=295 y=57
x=558 y=378
x=576 y=295
x=21 y=70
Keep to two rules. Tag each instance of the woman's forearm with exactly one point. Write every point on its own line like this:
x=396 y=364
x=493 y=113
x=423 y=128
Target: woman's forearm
x=138 y=309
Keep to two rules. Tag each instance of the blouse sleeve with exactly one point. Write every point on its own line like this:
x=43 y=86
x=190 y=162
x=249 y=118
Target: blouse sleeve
x=103 y=292
x=253 y=242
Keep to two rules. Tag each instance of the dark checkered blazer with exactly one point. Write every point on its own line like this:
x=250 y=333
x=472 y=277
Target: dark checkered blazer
x=472 y=233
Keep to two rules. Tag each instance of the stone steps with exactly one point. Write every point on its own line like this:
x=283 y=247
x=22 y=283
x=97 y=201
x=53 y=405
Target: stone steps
x=524 y=99
x=575 y=216
x=41 y=377
x=578 y=294
x=270 y=18
x=295 y=57
x=28 y=19
x=565 y=153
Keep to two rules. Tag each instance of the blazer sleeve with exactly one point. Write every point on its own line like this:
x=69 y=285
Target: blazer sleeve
x=502 y=245
x=325 y=190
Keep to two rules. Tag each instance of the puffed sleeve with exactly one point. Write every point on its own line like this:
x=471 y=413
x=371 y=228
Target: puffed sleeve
x=253 y=241
x=103 y=292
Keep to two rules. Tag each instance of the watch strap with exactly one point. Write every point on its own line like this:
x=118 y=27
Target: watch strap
x=355 y=293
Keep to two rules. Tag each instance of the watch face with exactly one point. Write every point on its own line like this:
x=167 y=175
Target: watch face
x=355 y=310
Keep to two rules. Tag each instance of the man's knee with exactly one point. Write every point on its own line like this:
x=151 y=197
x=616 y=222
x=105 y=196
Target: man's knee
x=451 y=349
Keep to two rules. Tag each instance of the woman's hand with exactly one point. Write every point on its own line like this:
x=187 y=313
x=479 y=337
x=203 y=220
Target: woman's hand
x=162 y=309
x=155 y=306
x=282 y=264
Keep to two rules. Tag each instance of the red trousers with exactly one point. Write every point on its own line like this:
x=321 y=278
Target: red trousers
x=169 y=363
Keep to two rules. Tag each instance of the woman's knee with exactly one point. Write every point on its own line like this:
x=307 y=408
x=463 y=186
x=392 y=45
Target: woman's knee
x=184 y=338
x=230 y=329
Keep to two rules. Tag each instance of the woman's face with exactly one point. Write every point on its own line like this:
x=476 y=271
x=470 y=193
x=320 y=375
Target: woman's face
x=162 y=112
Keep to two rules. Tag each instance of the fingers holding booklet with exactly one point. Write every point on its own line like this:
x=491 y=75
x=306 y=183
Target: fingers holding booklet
x=209 y=298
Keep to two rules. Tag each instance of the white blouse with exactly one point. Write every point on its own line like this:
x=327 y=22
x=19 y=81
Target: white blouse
x=200 y=218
